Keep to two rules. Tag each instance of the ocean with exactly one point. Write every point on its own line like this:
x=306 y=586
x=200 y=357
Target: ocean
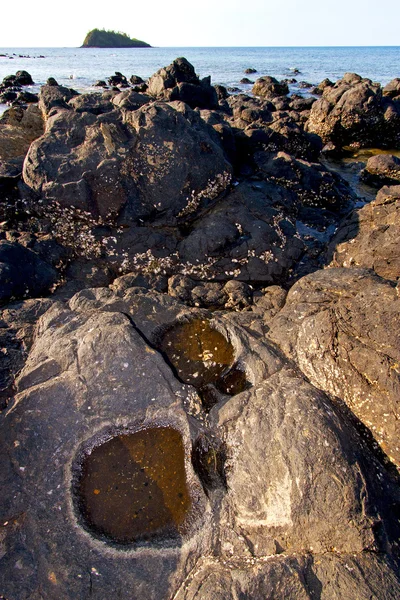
x=80 y=68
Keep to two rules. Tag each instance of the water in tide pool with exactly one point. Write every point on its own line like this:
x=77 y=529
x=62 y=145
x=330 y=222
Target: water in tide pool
x=82 y=67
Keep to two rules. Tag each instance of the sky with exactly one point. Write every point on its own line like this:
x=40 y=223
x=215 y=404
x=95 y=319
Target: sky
x=205 y=22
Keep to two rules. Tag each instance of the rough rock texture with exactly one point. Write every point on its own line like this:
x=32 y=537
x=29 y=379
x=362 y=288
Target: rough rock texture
x=354 y=112
x=247 y=235
x=382 y=169
x=269 y=87
x=18 y=128
x=369 y=237
x=128 y=161
x=297 y=492
x=340 y=326
x=179 y=81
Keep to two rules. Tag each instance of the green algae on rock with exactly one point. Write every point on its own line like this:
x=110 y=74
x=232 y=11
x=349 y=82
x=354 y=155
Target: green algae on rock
x=102 y=38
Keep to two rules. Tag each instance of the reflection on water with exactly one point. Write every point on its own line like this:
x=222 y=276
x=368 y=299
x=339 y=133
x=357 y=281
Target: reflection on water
x=350 y=166
x=199 y=353
x=134 y=486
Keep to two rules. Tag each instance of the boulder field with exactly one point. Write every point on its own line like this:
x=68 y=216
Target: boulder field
x=199 y=343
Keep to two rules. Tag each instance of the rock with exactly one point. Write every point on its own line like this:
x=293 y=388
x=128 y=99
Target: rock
x=382 y=169
x=222 y=92
x=392 y=89
x=305 y=85
x=27 y=97
x=300 y=103
x=314 y=185
x=179 y=81
x=246 y=80
x=156 y=160
x=250 y=70
x=23 y=274
x=96 y=104
x=23 y=78
x=354 y=112
x=136 y=80
x=269 y=87
x=246 y=236
x=117 y=79
x=369 y=237
x=100 y=83
x=130 y=100
x=51 y=81
x=339 y=326
x=18 y=128
x=54 y=96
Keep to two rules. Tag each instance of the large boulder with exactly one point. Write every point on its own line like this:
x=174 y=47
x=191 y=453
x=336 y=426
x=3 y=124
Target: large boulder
x=161 y=161
x=179 y=81
x=354 y=112
x=269 y=87
x=340 y=326
x=369 y=237
x=273 y=493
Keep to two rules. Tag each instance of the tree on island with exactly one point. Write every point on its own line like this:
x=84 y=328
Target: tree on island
x=101 y=38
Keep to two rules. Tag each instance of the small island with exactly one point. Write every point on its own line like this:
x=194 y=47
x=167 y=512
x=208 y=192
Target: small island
x=100 y=38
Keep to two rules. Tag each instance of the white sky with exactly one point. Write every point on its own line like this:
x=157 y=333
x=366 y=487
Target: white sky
x=46 y=23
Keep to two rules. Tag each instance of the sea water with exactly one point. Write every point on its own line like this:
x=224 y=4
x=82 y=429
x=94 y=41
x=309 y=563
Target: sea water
x=80 y=68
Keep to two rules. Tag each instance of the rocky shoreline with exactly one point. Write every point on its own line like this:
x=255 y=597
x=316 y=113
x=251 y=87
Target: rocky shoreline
x=178 y=263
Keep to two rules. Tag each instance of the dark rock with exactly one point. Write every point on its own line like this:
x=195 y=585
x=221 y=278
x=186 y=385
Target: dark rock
x=23 y=78
x=222 y=92
x=55 y=96
x=100 y=83
x=369 y=237
x=157 y=160
x=117 y=79
x=300 y=103
x=179 y=81
x=27 y=97
x=136 y=80
x=250 y=71
x=354 y=112
x=8 y=96
x=51 y=81
x=269 y=87
x=22 y=273
x=313 y=184
x=246 y=236
x=246 y=80
x=382 y=169
x=305 y=85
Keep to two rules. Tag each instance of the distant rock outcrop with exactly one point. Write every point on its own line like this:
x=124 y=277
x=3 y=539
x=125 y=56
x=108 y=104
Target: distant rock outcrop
x=100 y=38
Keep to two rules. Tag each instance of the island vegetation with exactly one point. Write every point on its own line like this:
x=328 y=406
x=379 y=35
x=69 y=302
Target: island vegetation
x=101 y=38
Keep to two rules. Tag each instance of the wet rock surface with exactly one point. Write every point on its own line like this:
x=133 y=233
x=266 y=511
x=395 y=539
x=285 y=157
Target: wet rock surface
x=204 y=402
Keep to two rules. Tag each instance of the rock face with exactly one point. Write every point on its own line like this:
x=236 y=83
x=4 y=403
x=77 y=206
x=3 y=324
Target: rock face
x=179 y=81
x=337 y=324
x=269 y=87
x=355 y=112
x=125 y=161
x=369 y=237
x=255 y=491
